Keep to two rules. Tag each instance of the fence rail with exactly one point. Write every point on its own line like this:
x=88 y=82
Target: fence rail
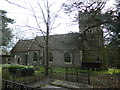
x=7 y=85
x=70 y=74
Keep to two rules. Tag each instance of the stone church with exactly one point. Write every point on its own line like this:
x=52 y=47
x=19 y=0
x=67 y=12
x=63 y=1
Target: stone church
x=71 y=50
x=64 y=50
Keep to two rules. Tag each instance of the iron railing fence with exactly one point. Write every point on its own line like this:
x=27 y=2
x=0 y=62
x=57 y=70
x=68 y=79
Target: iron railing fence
x=73 y=74
x=101 y=80
x=10 y=85
x=70 y=74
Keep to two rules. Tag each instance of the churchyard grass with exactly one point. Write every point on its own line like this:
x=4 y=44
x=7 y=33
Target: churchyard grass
x=74 y=70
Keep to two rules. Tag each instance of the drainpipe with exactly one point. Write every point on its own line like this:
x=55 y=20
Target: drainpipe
x=80 y=40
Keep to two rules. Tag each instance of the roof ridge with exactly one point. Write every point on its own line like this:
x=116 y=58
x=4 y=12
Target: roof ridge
x=31 y=44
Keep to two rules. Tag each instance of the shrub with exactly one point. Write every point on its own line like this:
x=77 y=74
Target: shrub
x=26 y=71
x=13 y=69
x=21 y=70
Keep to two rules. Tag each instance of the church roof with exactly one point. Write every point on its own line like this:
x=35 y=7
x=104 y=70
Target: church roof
x=22 y=46
x=56 y=42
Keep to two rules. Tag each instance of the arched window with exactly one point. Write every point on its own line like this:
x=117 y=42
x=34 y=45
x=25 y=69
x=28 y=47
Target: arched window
x=9 y=60
x=18 y=61
x=50 y=56
x=35 y=57
x=67 y=57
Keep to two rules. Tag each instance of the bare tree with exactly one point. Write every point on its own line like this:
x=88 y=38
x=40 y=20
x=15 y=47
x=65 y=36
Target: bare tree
x=44 y=19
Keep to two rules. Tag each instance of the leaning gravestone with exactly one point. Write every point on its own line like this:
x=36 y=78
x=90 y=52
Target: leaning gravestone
x=5 y=73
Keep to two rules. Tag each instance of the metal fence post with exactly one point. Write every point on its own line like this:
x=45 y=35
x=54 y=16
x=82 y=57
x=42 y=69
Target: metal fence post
x=27 y=88
x=77 y=74
x=66 y=74
x=21 y=87
x=89 y=76
x=5 y=85
x=51 y=70
x=13 y=86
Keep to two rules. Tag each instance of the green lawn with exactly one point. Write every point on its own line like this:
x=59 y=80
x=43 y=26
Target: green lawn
x=110 y=71
x=40 y=70
x=22 y=66
x=58 y=70
x=0 y=71
x=0 y=67
x=74 y=70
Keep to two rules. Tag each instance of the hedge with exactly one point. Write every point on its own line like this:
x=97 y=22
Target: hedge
x=21 y=70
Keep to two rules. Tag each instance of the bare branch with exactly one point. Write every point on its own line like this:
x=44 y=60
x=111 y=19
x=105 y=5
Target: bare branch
x=43 y=14
x=52 y=3
x=17 y=5
x=54 y=27
x=36 y=20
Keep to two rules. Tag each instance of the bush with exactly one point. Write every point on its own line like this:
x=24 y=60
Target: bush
x=13 y=69
x=26 y=71
x=21 y=70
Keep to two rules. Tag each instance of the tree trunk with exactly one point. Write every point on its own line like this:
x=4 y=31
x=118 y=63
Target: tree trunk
x=47 y=41
x=47 y=61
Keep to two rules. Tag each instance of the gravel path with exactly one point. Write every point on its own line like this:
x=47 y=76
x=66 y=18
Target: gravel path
x=47 y=82
x=43 y=82
x=55 y=87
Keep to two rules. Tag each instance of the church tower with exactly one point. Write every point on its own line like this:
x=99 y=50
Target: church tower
x=92 y=38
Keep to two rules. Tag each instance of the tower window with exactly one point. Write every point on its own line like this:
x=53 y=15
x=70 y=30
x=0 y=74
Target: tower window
x=67 y=57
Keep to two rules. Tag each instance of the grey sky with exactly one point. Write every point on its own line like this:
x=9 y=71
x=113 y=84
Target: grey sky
x=24 y=17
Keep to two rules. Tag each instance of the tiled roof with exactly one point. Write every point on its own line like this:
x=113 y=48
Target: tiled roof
x=60 y=42
x=22 y=46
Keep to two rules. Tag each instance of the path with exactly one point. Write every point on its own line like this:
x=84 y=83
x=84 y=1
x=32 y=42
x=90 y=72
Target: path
x=52 y=83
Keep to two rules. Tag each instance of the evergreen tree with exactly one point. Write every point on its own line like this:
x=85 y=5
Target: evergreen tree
x=6 y=31
x=115 y=27
x=113 y=46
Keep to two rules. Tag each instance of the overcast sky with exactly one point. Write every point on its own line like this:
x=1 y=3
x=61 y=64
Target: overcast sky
x=24 y=17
